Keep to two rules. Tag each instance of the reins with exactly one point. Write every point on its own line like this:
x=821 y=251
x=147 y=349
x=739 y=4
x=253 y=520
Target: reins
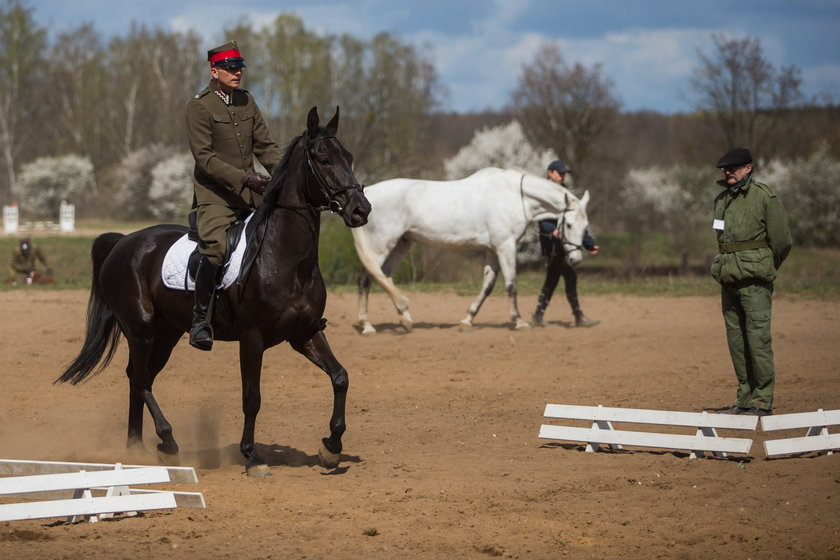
x=325 y=190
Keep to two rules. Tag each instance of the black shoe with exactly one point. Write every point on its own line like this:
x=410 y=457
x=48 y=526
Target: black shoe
x=735 y=409
x=755 y=411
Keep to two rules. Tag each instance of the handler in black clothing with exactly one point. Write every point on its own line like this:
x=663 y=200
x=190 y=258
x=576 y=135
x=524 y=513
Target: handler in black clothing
x=555 y=261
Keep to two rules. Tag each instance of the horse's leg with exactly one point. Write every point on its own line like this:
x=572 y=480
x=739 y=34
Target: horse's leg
x=136 y=406
x=364 y=291
x=491 y=271
x=507 y=263
x=318 y=351
x=148 y=355
x=250 y=367
x=391 y=263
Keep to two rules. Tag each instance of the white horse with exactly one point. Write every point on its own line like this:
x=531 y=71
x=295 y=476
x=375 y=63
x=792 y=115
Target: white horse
x=490 y=209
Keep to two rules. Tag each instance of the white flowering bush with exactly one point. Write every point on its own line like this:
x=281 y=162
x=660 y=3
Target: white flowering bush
x=500 y=146
x=503 y=146
x=131 y=181
x=809 y=191
x=45 y=182
x=171 y=192
x=679 y=197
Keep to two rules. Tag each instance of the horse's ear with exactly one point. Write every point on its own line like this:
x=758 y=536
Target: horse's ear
x=312 y=122
x=584 y=200
x=332 y=126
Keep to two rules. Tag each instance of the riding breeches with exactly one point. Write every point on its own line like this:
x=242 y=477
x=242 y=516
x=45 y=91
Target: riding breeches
x=213 y=222
x=555 y=267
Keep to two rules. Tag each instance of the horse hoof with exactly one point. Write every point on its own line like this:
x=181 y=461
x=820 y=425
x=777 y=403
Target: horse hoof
x=522 y=325
x=328 y=459
x=368 y=330
x=465 y=325
x=258 y=471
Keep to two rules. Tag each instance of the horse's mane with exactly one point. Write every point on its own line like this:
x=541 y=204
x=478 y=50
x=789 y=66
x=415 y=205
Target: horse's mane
x=275 y=186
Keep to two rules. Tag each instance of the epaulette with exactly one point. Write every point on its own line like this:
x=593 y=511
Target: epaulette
x=202 y=93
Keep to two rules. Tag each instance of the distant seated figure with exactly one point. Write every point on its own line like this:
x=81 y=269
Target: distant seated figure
x=22 y=267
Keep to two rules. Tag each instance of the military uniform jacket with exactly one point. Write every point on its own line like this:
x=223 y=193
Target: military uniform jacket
x=750 y=212
x=224 y=139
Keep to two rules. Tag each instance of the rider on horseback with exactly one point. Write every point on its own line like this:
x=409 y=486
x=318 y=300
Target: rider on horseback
x=226 y=131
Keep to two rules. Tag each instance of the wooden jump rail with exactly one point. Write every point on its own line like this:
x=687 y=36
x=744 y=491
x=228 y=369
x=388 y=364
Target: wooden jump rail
x=816 y=438
x=42 y=481
x=603 y=432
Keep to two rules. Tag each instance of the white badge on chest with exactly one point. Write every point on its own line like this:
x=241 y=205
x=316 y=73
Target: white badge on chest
x=718 y=225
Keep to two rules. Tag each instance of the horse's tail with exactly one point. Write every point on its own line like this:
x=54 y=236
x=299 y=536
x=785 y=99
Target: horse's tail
x=102 y=331
x=362 y=242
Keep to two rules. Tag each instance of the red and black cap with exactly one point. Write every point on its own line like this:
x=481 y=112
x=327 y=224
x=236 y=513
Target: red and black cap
x=227 y=56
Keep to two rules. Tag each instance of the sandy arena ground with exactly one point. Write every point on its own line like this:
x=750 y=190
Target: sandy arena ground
x=441 y=458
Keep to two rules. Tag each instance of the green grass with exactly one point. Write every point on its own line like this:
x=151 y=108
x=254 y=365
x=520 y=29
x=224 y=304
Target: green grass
x=808 y=273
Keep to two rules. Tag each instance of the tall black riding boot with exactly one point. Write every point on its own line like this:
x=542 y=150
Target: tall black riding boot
x=581 y=320
x=542 y=303
x=201 y=334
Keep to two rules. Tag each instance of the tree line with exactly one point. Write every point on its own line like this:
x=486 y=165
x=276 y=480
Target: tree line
x=119 y=104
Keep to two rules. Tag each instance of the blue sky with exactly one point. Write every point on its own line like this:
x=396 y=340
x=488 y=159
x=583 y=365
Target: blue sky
x=648 y=48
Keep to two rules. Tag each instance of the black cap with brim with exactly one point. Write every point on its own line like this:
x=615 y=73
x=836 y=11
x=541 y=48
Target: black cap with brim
x=558 y=166
x=735 y=157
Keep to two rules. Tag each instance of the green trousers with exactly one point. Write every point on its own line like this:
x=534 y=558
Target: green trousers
x=746 y=313
x=214 y=221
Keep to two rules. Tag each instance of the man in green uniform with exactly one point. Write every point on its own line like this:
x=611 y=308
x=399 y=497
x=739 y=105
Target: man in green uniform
x=753 y=241
x=226 y=131
x=24 y=260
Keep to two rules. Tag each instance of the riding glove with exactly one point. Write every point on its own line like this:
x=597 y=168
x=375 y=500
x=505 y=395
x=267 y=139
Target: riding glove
x=257 y=182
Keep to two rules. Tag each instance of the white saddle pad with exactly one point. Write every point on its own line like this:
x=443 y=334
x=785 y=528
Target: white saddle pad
x=174 y=270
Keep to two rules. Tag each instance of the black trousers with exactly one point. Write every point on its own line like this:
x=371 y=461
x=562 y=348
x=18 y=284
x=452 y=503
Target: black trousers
x=555 y=267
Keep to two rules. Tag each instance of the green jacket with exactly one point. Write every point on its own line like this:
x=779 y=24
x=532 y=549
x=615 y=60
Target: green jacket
x=224 y=140
x=751 y=216
x=25 y=263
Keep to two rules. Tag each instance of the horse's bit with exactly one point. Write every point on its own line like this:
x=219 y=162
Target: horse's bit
x=334 y=206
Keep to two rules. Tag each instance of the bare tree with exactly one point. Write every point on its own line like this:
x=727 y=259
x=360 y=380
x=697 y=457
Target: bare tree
x=566 y=108
x=746 y=95
x=22 y=44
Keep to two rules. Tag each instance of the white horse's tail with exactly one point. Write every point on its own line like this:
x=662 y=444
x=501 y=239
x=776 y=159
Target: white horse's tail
x=362 y=243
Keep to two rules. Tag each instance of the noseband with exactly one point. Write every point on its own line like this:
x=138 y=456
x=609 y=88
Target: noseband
x=327 y=192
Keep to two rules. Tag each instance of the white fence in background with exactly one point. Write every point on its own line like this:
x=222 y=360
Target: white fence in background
x=66 y=220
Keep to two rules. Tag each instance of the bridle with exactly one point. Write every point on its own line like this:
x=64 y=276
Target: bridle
x=561 y=225
x=326 y=191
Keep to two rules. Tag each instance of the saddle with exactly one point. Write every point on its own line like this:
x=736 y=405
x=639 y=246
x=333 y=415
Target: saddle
x=181 y=260
x=234 y=234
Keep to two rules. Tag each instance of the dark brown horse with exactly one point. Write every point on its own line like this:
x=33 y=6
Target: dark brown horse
x=280 y=297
